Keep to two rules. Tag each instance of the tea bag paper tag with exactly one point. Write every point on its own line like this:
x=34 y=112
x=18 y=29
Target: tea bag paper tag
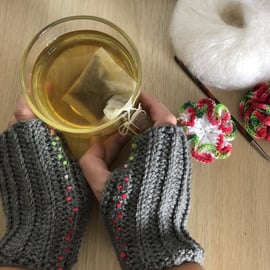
x=115 y=106
x=102 y=91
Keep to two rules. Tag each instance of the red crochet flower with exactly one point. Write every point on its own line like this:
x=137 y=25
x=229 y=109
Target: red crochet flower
x=209 y=129
x=255 y=111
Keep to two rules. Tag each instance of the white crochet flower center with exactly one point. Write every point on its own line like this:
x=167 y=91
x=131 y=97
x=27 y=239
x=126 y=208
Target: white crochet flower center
x=207 y=133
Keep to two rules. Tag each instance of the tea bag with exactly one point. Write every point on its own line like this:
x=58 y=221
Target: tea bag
x=102 y=91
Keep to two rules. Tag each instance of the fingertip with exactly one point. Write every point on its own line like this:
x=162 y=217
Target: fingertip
x=167 y=119
x=106 y=151
x=12 y=121
x=118 y=139
x=147 y=101
x=23 y=112
x=113 y=146
x=96 y=150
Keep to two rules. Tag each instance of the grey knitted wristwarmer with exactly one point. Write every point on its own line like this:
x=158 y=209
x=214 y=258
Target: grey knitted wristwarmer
x=45 y=197
x=145 y=204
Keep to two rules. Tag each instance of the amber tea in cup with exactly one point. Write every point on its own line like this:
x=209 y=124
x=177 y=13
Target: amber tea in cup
x=75 y=73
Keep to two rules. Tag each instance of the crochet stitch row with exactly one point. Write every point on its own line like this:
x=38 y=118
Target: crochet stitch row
x=45 y=197
x=146 y=202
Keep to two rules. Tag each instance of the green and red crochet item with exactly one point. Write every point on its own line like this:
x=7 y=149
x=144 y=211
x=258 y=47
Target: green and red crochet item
x=209 y=129
x=255 y=111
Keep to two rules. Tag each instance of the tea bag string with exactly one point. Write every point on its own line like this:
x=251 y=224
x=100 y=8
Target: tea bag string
x=135 y=120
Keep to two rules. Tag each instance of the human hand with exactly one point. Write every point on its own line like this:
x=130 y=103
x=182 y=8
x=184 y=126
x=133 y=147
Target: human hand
x=22 y=112
x=157 y=111
x=33 y=156
x=96 y=161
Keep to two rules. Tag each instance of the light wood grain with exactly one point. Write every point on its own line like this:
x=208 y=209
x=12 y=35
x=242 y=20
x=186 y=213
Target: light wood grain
x=230 y=199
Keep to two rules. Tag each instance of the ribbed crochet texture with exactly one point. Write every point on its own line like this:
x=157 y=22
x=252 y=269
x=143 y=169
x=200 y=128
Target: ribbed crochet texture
x=145 y=204
x=45 y=197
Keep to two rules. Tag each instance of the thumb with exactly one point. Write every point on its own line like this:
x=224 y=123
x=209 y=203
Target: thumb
x=22 y=112
x=95 y=169
x=94 y=163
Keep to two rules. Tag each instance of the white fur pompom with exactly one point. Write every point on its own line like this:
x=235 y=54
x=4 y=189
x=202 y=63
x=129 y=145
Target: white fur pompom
x=224 y=43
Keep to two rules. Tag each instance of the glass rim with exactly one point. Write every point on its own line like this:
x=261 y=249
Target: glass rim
x=54 y=124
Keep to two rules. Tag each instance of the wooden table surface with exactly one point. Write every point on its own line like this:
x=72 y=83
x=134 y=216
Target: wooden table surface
x=230 y=199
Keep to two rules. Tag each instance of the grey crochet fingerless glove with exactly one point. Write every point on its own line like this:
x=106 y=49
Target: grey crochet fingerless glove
x=145 y=204
x=45 y=197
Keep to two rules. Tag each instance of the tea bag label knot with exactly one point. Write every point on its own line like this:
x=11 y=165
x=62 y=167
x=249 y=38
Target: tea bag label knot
x=136 y=120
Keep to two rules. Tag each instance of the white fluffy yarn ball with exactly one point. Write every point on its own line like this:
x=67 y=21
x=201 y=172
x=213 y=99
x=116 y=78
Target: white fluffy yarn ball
x=224 y=43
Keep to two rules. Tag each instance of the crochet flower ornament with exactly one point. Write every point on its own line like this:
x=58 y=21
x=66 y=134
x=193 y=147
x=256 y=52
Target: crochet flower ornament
x=209 y=129
x=255 y=111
